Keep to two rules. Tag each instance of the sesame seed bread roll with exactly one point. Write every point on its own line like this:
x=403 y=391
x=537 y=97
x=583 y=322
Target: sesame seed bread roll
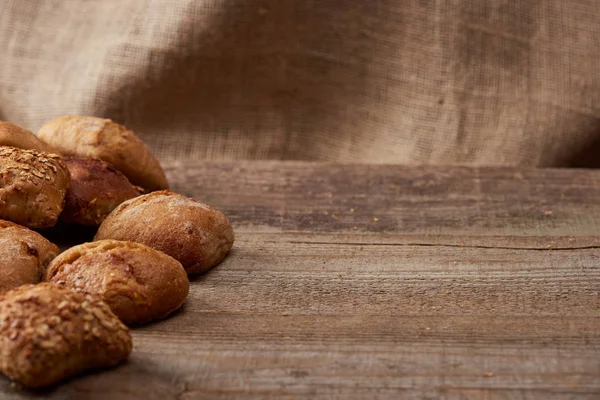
x=33 y=187
x=49 y=334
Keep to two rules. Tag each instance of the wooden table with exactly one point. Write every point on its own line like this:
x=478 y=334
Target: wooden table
x=364 y=282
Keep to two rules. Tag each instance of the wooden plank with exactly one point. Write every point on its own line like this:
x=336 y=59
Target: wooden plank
x=311 y=197
x=464 y=289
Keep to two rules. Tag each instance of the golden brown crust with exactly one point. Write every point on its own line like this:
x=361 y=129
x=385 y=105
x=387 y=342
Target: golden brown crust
x=33 y=187
x=139 y=283
x=14 y=136
x=48 y=333
x=24 y=255
x=193 y=233
x=106 y=140
x=96 y=189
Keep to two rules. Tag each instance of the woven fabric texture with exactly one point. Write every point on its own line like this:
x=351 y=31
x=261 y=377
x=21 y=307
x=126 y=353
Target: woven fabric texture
x=473 y=82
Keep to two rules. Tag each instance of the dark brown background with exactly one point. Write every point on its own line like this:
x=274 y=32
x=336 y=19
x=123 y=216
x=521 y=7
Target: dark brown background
x=506 y=82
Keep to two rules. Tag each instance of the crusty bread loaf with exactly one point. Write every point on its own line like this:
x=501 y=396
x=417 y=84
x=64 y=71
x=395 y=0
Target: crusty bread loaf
x=14 y=136
x=139 y=283
x=96 y=189
x=193 y=233
x=49 y=333
x=24 y=255
x=33 y=187
x=106 y=140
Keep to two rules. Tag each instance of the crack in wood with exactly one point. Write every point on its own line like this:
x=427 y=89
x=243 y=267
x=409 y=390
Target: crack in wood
x=443 y=245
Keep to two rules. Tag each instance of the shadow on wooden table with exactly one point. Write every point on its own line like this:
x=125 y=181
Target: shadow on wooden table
x=67 y=386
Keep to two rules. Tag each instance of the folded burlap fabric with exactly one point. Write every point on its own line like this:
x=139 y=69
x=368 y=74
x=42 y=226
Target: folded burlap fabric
x=437 y=82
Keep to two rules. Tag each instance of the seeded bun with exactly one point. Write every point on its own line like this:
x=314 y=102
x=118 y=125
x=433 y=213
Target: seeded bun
x=193 y=233
x=138 y=283
x=33 y=187
x=48 y=333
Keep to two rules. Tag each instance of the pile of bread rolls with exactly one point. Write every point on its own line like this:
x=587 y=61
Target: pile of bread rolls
x=65 y=313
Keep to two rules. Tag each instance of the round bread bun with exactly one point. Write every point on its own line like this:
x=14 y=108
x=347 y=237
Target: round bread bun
x=49 y=333
x=138 y=283
x=100 y=138
x=96 y=189
x=14 y=136
x=24 y=255
x=33 y=187
x=196 y=235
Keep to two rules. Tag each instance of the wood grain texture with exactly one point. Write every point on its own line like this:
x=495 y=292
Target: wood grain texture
x=365 y=282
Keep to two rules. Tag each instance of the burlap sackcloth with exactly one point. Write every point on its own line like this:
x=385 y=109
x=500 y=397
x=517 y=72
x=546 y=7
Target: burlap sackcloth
x=477 y=82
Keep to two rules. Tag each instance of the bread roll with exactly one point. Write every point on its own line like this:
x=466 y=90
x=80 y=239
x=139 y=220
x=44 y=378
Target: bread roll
x=193 y=233
x=106 y=140
x=96 y=189
x=24 y=255
x=138 y=283
x=49 y=333
x=14 y=136
x=33 y=187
